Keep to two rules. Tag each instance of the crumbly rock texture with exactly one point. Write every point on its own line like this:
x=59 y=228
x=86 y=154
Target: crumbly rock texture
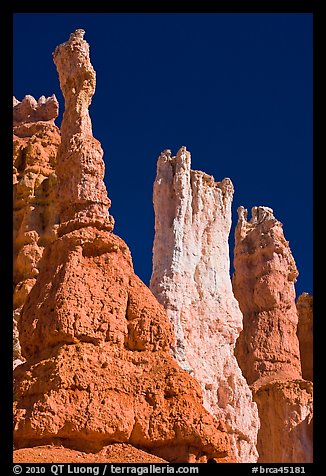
x=305 y=334
x=35 y=143
x=191 y=279
x=96 y=341
x=268 y=347
x=107 y=370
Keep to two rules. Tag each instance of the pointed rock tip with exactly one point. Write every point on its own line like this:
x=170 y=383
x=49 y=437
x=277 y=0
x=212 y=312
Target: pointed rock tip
x=77 y=34
x=228 y=185
x=182 y=150
x=41 y=100
x=30 y=100
x=76 y=37
x=45 y=100
x=166 y=152
x=260 y=214
x=242 y=214
x=183 y=156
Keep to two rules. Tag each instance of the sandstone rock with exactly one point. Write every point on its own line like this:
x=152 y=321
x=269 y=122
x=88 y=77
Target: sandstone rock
x=17 y=362
x=35 y=144
x=97 y=342
x=286 y=414
x=98 y=365
x=268 y=348
x=70 y=301
x=109 y=454
x=81 y=192
x=263 y=283
x=30 y=110
x=191 y=279
x=305 y=334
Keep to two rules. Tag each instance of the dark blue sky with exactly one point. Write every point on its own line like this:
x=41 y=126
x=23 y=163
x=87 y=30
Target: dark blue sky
x=235 y=89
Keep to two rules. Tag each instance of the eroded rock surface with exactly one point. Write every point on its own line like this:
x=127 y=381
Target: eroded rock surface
x=35 y=143
x=97 y=342
x=30 y=110
x=268 y=347
x=286 y=413
x=191 y=280
x=263 y=283
x=81 y=193
x=98 y=365
x=109 y=454
x=305 y=334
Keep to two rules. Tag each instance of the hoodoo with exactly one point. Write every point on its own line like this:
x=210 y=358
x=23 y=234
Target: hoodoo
x=195 y=369
x=35 y=143
x=268 y=347
x=97 y=343
x=191 y=279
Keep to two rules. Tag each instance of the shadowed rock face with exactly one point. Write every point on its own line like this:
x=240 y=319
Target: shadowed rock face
x=191 y=279
x=268 y=347
x=35 y=143
x=97 y=342
x=305 y=334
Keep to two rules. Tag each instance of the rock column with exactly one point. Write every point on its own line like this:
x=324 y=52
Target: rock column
x=305 y=334
x=97 y=342
x=191 y=279
x=35 y=143
x=268 y=347
x=81 y=194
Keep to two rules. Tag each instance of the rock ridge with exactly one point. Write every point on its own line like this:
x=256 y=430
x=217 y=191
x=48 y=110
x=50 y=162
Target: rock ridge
x=30 y=110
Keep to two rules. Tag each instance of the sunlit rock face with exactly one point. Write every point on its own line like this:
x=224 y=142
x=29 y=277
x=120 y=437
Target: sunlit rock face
x=81 y=194
x=268 y=347
x=191 y=278
x=96 y=341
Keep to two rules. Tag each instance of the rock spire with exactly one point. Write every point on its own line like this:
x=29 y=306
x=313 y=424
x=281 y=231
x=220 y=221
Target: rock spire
x=81 y=194
x=191 y=279
x=263 y=283
x=268 y=347
x=97 y=343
